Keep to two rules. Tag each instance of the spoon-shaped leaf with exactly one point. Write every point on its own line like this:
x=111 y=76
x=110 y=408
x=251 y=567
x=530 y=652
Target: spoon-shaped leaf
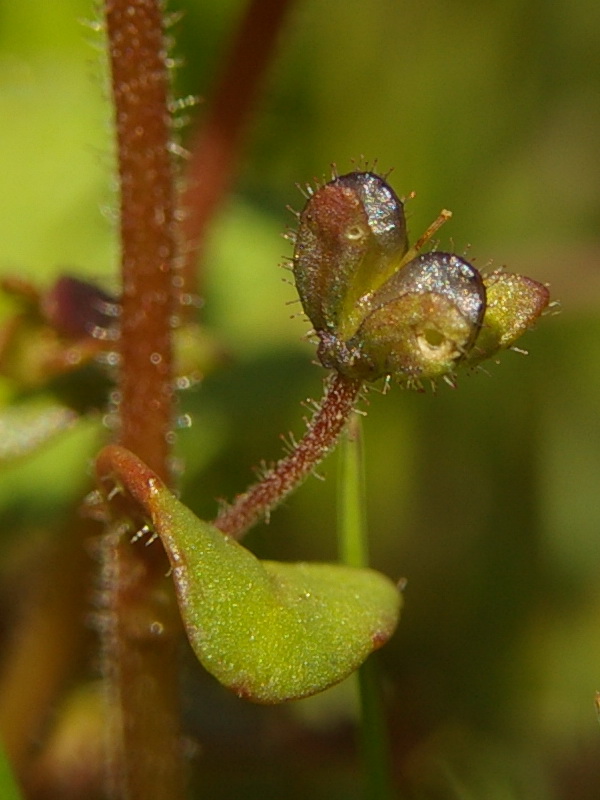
x=269 y=631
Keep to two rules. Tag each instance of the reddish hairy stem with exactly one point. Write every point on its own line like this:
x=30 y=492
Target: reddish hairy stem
x=215 y=147
x=321 y=436
x=141 y=635
x=140 y=92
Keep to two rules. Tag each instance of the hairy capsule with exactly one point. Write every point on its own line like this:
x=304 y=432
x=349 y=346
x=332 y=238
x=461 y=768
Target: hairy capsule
x=352 y=232
x=374 y=314
x=425 y=319
x=514 y=303
x=380 y=309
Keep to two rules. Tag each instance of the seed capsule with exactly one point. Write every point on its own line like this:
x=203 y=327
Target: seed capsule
x=425 y=319
x=379 y=309
x=373 y=315
x=351 y=233
x=514 y=304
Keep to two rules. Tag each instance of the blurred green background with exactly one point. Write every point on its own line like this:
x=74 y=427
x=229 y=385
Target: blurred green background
x=485 y=498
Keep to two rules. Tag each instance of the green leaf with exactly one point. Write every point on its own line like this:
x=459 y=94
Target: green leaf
x=269 y=631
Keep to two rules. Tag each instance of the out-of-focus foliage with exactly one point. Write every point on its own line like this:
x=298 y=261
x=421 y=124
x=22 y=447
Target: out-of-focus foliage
x=486 y=497
x=8 y=786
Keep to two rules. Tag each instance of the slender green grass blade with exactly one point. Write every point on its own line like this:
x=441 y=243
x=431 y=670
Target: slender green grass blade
x=353 y=548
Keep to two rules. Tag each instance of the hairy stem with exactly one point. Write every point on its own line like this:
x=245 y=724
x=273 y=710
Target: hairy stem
x=140 y=93
x=216 y=146
x=322 y=434
x=143 y=627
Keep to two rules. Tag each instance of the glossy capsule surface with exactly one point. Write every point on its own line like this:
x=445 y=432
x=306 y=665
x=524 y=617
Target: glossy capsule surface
x=373 y=312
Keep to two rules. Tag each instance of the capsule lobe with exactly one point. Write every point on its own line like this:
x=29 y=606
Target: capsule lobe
x=351 y=232
x=425 y=319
